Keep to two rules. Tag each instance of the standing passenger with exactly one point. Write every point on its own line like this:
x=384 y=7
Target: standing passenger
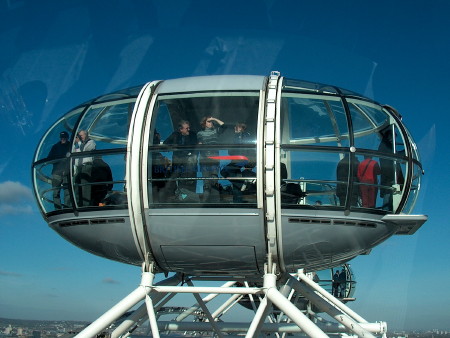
x=85 y=172
x=184 y=160
x=209 y=135
x=243 y=163
x=60 y=170
x=335 y=284
x=368 y=171
x=391 y=172
x=342 y=173
x=342 y=283
x=160 y=172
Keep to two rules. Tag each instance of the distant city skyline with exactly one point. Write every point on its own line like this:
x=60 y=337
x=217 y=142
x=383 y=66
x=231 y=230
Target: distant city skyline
x=58 y=55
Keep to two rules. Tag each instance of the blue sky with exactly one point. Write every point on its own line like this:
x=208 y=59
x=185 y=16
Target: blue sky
x=57 y=54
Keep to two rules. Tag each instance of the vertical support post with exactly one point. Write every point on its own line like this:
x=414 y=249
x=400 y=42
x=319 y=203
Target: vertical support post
x=147 y=282
x=137 y=315
x=258 y=320
x=115 y=312
x=290 y=309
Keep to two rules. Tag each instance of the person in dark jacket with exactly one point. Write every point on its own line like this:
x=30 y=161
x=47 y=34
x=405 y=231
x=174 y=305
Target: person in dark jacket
x=243 y=164
x=60 y=170
x=391 y=172
x=335 y=284
x=184 y=160
x=342 y=172
x=102 y=175
x=342 y=283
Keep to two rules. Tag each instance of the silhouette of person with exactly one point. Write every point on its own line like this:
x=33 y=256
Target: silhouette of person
x=102 y=175
x=335 y=283
x=160 y=171
x=342 y=283
x=389 y=170
x=60 y=170
x=368 y=171
x=342 y=173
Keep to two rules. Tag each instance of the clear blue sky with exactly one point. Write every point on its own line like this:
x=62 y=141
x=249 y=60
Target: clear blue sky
x=57 y=54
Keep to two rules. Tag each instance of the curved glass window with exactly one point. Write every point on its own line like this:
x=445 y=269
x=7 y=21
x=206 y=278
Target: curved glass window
x=107 y=124
x=368 y=121
x=86 y=168
x=100 y=181
x=52 y=176
x=53 y=136
x=372 y=177
x=313 y=119
x=310 y=178
x=203 y=149
x=52 y=187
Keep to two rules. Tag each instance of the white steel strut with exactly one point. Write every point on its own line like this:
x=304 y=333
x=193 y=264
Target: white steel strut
x=275 y=314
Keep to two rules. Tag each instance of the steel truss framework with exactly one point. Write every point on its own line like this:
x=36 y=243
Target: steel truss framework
x=276 y=293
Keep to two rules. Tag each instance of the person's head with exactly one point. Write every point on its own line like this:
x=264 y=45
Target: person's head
x=206 y=123
x=63 y=136
x=83 y=135
x=240 y=127
x=156 y=137
x=184 y=127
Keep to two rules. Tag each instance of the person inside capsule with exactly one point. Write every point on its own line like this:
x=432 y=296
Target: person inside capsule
x=83 y=168
x=60 y=170
x=184 y=163
x=241 y=165
x=212 y=128
x=161 y=167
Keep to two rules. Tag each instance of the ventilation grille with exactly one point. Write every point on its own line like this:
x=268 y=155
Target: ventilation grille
x=93 y=221
x=363 y=224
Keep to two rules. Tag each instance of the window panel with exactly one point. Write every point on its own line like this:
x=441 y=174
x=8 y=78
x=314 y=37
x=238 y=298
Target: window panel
x=108 y=124
x=204 y=148
x=100 y=181
x=52 y=137
x=313 y=120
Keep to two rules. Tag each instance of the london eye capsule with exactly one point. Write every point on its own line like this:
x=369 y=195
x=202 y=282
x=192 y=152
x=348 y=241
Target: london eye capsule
x=218 y=175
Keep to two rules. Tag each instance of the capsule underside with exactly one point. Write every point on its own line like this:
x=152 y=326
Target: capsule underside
x=302 y=172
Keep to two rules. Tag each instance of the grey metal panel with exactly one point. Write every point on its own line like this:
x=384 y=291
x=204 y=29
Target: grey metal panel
x=104 y=235
x=324 y=241
x=210 y=83
x=194 y=227
x=211 y=258
x=407 y=224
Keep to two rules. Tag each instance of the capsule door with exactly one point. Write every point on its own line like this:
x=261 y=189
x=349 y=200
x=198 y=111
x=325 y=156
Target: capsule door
x=203 y=208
